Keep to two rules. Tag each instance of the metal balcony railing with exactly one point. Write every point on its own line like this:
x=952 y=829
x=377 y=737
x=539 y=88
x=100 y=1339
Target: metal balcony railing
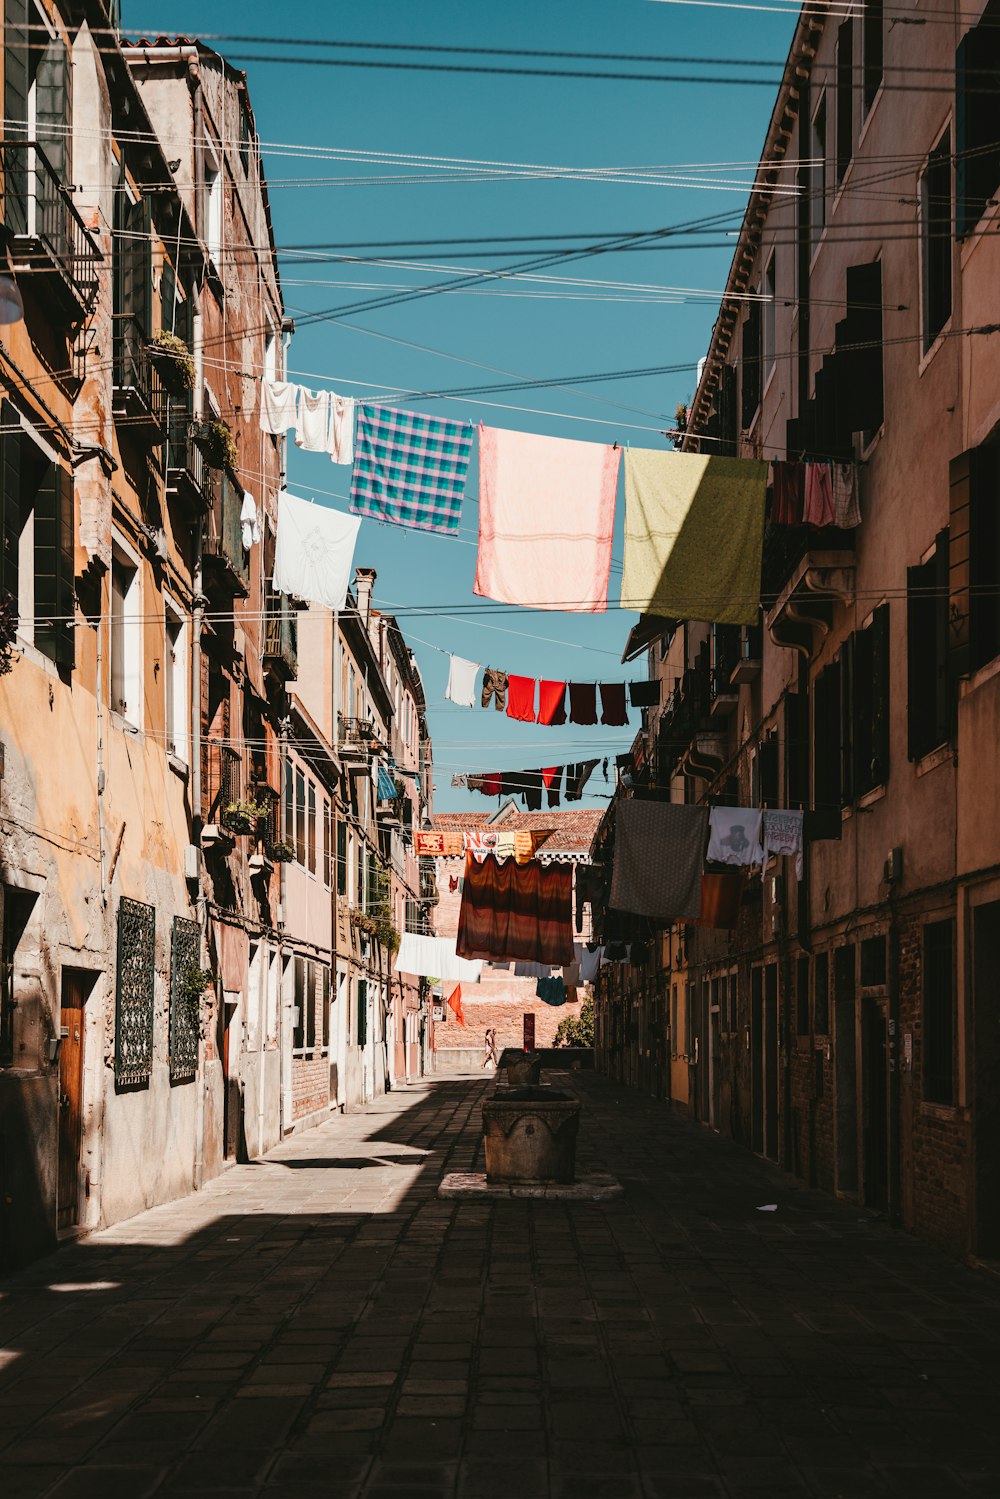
x=139 y=398
x=223 y=550
x=188 y=475
x=222 y=778
x=281 y=635
x=48 y=238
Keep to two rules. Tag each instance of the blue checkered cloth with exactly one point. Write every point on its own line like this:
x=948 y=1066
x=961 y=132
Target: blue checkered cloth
x=386 y=786
x=410 y=469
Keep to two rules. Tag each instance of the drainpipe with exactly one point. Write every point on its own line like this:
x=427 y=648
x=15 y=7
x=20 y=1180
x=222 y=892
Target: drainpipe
x=101 y=832
x=197 y=623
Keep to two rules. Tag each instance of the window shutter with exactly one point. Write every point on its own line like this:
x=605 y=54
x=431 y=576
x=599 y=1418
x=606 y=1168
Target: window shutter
x=10 y=498
x=977 y=160
x=960 y=494
x=53 y=108
x=862 y=706
x=54 y=559
x=847 y=723
x=944 y=698
x=15 y=108
x=919 y=651
x=751 y=365
x=796 y=749
x=878 y=769
x=860 y=364
x=984 y=555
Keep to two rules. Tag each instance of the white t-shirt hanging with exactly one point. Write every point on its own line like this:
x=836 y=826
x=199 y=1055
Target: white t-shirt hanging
x=278 y=406
x=341 y=440
x=734 y=836
x=461 y=688
x=313 y=430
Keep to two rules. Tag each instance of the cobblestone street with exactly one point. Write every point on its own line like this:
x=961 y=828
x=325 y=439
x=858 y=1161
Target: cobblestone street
x=318 y=1322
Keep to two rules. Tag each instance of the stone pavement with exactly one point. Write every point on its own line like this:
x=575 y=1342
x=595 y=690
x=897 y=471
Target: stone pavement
x=320 y=1324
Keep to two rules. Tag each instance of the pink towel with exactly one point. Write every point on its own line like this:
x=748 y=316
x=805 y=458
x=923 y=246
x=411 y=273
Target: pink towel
x=818 y=508
x=546 y=517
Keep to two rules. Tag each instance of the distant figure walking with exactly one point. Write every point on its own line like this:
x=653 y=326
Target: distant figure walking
x=491 y=1048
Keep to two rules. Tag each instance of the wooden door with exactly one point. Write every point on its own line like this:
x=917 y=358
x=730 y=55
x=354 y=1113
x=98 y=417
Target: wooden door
x=71 y=1041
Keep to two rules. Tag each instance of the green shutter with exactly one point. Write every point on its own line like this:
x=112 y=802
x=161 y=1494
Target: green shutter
x=53 y=108
x=54 y=597
x=878 y=771
x=15 y=108
x=10 y=498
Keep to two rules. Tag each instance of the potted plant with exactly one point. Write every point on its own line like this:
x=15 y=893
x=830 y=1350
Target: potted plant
x=243 y=816
x=217 y=443
x=174 y=360
x=8 y=633
x=280 y=851
x=386 y=933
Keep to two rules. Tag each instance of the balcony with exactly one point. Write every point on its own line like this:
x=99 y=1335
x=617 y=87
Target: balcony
x=139 y=402
x=222 y=785
x=281 y=635
x=802 y=615
x=49 y=242
x=224 y=560
x=723 y=696
x=358 y=739
x=189 y=478
x=747 y=667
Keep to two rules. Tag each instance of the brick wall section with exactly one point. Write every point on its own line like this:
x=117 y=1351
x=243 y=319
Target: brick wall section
x=310 y=1085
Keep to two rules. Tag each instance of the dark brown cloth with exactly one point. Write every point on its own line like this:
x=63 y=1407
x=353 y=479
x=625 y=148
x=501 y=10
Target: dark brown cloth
x=513 y=910
x=658 y=860
x=614 y=711
x=720 y=898
x=645 y=694
x=789 y=484
x=583 y=702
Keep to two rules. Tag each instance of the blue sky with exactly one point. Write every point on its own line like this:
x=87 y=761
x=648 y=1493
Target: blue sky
x=540 y=330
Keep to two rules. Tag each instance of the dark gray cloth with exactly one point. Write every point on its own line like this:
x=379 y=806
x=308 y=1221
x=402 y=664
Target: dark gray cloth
x=659 y=858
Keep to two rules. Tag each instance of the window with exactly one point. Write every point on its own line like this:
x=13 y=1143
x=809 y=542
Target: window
x=977 y=140
x=311 y=827
x=36 y=539
x=873 y=962
x=341 y=857
x=869 y=722
x=974 y=570
x=126 y=636
x=828 y=789
x=16 y=907
x=37 y=99
x=300 y=818
x=764 y=774
x=935 y=240
x=871 y=51
x=750 y=394
x=817 y=175
x=845 y=98
x=770 y=295
x=858 y=337
x=244 y=133
x=289 y=813
x=928 y=704
x=802 y=996
x=325 y=1003
x=299 y=1003
x=175 y=680
x=327 y=844
x=362 y=1031
x=821 y=994
x=939 y=1013
x=213 y=208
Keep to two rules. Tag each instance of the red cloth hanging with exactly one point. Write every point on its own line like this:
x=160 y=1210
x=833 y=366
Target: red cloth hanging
x=789 y=482
x=513 y=910
x=521 y=698
x=720 y=898
x=552 y=702
x=455 y=1004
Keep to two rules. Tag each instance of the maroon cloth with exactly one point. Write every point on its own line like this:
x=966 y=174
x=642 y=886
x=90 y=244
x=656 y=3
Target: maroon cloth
x=521 y=698
x=614 y=710
x=583 y=702
x=720 y=898
x=818 y=507
x=789 y=483
x=551 y=702
x=491 y=783
x=512 y=911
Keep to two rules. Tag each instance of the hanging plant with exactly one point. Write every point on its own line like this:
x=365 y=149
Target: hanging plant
x=386 y=933
x=175 y=360
x=243 y=817
x=8 y=633
x=279 y=852
x=217 y=443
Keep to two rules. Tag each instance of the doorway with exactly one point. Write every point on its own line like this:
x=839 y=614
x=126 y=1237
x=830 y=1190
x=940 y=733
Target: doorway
x=233 y=1129
x=771 y=1061
x=874 y=1092
x=986 y=1078
x=72 y=1034
x=757 y=1057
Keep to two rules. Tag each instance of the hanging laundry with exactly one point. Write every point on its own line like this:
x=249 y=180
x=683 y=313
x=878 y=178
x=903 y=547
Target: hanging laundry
x=488 y=784
x=551 y=703
x=532 y=790
x=312 y=430
x=571 y=977
x=495 y=686
x=278 y=406
x=658 y=859
x=818 y=508
x=846 y=510
x=517 y=911
x=604 y=768
x=734 y=836
x=314 y=551
x=783 y=834
x=527 y=970
x=614 y=712
x=453 y=883
x=694 y=530
x=788 y=486
x=552 y=781
x=546 y=517
x=249 y=522
x=521 y=698
x=455 y=1004
x=386 y=786
x=552 y=990
x=583 y=702
x=340 y=438
x=458 y=780
x=577 y=777
x=461 y=688
x=480 y=841
x=410 y=469
x=589 y=890
x=645 y=694
x=435 y=957
x=589 y=961
x=720 y=898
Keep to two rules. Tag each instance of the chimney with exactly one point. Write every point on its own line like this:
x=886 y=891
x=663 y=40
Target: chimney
x=364 y=582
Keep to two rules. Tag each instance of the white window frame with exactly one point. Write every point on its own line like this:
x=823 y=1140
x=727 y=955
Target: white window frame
x=176 y=679
x=213 y=206
x=129 y=707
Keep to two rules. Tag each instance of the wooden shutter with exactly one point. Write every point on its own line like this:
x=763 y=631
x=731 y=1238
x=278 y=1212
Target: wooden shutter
x=796 y=749
x=878 y=769
x=861 y=385
x=15 y=108
x=984 y=555
x=845 y=97
x=10 y=498
x=944 y=697
x=977 y=159
x=53 y=108
x=54 y=548
x=959 y=625
x=750 y=365
x=919 y=653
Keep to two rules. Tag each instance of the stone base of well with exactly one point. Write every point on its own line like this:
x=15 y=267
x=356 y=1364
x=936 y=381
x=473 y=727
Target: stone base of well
x=472 y=1186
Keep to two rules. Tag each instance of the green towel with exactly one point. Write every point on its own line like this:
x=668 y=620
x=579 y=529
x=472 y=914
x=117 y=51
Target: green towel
x=694 y=527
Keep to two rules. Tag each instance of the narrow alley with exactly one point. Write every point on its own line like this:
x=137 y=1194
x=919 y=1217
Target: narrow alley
x=319 y=1322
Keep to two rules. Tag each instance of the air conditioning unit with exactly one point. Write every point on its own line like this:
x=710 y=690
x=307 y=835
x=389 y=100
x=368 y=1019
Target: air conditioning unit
x=192 y=863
